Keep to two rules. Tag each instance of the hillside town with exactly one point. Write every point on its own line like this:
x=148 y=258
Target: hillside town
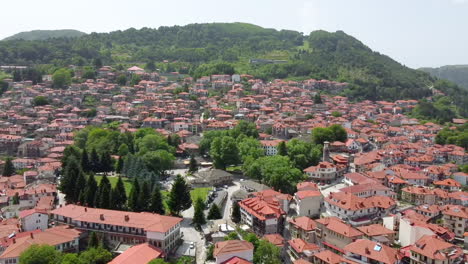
x=385 y=192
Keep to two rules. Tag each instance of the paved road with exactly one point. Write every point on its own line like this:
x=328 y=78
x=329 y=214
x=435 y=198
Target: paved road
x=227 y=208
x=192 y=235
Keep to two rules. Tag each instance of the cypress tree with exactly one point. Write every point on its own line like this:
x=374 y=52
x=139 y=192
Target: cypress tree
x=282 y=151
x=93 y=240
x=90 y=191
x=199 y=215
x=193 y=164
x=118 y=195
x=85 y=164
x=236 y=213
x=133 y=197
x=179 y=197
x=105 y=162
x=95 y=162
x=144 y=196
x=119 y=165
x=80 y=184
x=69 y=178
x=156 y=203
x=8 y=169
x=214 y=212
x=103 y=197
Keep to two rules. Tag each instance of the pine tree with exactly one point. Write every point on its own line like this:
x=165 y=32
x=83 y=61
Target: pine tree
x=8 y=168
x=118 y=195
x=214 y=212
x=144 y=196
x=179 y=197
x=16 y=199
x=103 y=197
x=106 y=162
x=156 y=203
x=85 y=164
x=317 y=98
x=236 y=213
x=119 y=165
x=79 y=185
x=90 y=191
x=199 y=215
x=133 y=197
x=282 y=151
x=193 y=164
x=69 y=178
x=93 y=240
x=94 y=161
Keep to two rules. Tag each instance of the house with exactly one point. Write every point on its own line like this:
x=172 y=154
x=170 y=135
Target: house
x=262 y=216
x=324 y=172
x=430 y=249
x=418 y=195
x=411 y=230
x=461 y=177
x=270 y=146
x=308 y=202
x=301 y=249
x=356 y=210
x=378 y=233
x=225 y=250
x=450 y=185
x=303 y=227
x=122 y=227
x=334 y=234
x=63 y=238
x=138 y=254
x=33 y=219
x=455 y=218
x=367 y=251
x=212 y=177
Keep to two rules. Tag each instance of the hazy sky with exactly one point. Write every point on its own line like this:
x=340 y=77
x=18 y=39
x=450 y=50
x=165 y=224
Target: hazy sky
x=415 y=32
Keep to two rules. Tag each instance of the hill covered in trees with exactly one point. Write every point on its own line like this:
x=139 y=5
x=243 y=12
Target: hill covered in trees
x=201 y=49
x=455 y=73
x=46 y=34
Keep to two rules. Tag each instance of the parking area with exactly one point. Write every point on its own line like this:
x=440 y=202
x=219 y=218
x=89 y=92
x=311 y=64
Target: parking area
x=188 y=248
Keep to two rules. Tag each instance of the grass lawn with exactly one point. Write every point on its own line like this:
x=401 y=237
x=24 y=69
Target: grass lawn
x=113 y=181
x=194 y=194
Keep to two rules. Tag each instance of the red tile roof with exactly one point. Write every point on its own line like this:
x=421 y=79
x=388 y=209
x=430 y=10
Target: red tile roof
x=139 y=254
x=147 y=221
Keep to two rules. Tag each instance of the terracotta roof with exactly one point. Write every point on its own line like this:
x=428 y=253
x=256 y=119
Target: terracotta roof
x=304 y=223
x=330 y=257
x=236 y=260
x=373 y=250
x=337 y=225
x=435 y=248
x=275 y=239
x=300 y=245
x=375 y=230
x=147 y=221
x=139 y=254
x=232 y=246
x=262 y=209
x=52 y=236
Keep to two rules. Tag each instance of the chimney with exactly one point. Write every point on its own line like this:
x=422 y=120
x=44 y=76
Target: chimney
x=101 y=217
x=326 y=151
x=86 y=209
x=32 y=235
x=14 y=240
x=367 y=251
x=127 y=218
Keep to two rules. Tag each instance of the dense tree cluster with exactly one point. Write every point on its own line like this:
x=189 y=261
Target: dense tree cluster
x=458 y=136
x=330 y=134
x=44 y=254
x=225 y=48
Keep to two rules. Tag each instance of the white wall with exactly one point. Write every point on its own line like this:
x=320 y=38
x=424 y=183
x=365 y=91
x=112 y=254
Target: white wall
x=35 y=221
x=410 y=234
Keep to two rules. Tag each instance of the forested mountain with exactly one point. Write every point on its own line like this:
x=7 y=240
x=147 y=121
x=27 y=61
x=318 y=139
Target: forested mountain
x=46 y=34
x=455 y=73
x=228 y=47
